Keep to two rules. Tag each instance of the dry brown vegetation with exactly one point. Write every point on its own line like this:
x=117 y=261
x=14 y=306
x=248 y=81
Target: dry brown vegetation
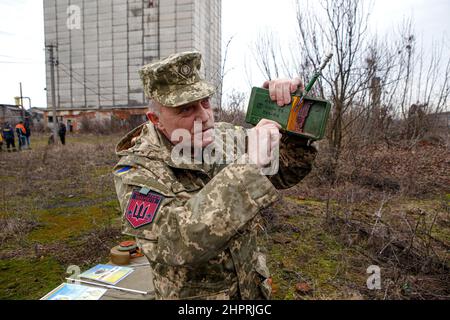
x=379 y=204
x=383 y=203
x=57 y=208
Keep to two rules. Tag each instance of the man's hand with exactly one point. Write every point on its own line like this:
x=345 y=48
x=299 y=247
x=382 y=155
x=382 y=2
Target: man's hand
x=280 y=89
x=264 y=139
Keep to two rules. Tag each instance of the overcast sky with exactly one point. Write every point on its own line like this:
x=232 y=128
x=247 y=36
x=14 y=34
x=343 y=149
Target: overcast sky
x=22 y=57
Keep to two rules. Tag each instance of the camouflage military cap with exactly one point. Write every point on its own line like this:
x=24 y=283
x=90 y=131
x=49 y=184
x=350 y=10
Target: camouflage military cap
x=175 y=80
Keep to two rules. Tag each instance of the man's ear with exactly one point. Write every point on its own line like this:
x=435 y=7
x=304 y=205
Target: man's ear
x=152 y=117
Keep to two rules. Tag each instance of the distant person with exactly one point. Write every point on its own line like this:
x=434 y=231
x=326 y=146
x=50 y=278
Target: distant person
x=28 y=133
x=8 y=136
x=51 y=139
x=1 y=142
x=62 y=133
x=21 y=132
x=70 y=125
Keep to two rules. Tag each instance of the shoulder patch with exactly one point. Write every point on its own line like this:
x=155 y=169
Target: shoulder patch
x=142 y=208
x=123 y=170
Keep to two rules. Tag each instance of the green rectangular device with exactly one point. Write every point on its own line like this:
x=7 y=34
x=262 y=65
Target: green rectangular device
x=305 y=116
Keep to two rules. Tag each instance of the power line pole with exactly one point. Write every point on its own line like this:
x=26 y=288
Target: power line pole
x=21 y=103
x=52 y=61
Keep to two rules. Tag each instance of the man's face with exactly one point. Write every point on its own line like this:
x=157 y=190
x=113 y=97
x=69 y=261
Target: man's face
x=184 y=117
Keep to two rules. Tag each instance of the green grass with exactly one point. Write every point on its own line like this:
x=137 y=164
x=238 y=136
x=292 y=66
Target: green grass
x=29 y=278
x=40 y=140
x=71 y=196
x=311 y=255
x=318 y=256
x=61 y=224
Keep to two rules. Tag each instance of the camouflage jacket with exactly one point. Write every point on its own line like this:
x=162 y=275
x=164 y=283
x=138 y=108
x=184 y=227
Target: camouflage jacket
x=201 y=241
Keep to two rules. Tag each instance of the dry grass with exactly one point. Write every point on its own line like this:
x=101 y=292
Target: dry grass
x=388 y=207
x=58 y=206
x=381 y=206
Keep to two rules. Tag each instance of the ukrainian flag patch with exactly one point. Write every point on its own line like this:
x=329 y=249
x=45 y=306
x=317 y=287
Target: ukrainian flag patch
x=123 y=170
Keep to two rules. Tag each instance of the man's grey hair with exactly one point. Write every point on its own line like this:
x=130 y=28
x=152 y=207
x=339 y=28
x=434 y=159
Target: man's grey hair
x=154 y=107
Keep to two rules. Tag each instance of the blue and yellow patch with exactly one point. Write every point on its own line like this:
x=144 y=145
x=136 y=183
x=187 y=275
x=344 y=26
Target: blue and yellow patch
x=123 y=170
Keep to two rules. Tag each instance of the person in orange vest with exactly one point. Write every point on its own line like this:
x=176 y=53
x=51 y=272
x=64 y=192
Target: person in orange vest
x=21 y=133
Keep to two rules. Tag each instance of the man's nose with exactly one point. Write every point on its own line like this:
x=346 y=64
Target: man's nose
x=201 y=113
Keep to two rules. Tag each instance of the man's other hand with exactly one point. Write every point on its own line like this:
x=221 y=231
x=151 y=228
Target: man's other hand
x=264 y=139
x=280 y=90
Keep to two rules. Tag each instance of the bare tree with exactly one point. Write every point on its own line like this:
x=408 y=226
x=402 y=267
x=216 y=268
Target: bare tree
x=344 y=28
x=223 y=72
x=233 y=111
x=266 y=51
x=372 y=83
x=248 y=74
x=421 y=82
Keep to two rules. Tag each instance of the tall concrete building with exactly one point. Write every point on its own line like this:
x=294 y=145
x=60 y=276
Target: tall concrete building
x=101 y=44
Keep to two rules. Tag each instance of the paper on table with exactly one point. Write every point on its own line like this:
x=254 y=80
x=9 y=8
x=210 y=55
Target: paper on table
x=107 y=273
x=70 y=291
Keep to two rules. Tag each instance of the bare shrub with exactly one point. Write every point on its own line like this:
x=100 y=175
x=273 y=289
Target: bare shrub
x=85 y=124
x=365 y=173
x=15 y=228
x=39 y=128
x=234 y=110
x=109 y=126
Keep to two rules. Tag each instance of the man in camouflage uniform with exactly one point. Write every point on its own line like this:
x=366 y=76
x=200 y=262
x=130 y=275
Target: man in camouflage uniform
x=197 y=222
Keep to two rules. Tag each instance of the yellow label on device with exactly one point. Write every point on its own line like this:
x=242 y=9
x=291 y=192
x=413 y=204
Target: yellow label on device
x=295 y=109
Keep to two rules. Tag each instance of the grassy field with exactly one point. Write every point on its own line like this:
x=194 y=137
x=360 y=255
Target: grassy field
x=58 y=208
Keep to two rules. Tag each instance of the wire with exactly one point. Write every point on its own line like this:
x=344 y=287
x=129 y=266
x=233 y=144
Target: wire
x=89 y=88
x=19 y=62
x=85 y=86
x=83 y=82
x=96 y=84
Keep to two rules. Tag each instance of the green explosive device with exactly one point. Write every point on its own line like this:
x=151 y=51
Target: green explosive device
x=306 y=116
